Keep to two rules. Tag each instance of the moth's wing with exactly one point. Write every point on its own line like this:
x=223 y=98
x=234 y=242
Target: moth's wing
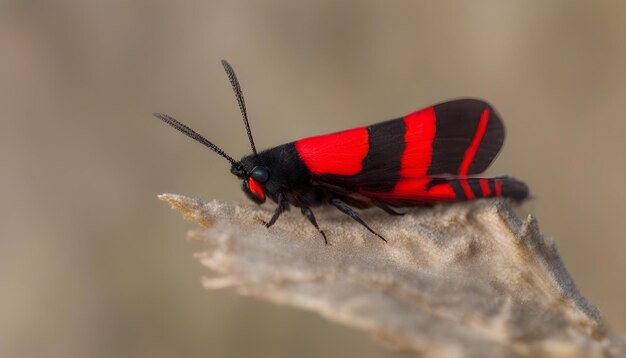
x=413 y=191
x=459 y=137
x=421 y=190
x=469 y=135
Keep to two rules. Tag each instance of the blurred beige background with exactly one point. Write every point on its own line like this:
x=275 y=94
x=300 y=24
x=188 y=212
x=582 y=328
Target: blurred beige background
x=93 y=265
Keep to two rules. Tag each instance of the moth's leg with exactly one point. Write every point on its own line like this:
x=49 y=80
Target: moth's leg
x=282 y=205
x=343 y=207
x=309 y=215
x=386 y=208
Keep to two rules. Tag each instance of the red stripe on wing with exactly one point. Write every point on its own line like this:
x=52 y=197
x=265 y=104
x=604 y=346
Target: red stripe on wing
x=414 y=190
x=339 y=153
x=473 y=148
x=498 y=187
x=467 y=189
x=484 y=185
x=418 y=137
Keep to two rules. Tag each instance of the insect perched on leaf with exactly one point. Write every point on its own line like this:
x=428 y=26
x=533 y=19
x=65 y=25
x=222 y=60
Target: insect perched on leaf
x=421 y=158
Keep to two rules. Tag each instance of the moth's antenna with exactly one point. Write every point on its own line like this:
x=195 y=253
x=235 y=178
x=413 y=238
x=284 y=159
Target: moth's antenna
x=195 y=136
x=242 y=104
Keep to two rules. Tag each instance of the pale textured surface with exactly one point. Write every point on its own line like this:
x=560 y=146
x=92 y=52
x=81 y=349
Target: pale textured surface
x=467 y=279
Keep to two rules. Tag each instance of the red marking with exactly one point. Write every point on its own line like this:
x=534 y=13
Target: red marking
x=442 y=192
x=414 y=190
x=256 y=189
x=498 y=187
x=339 y=153
x=419 y=135
x=470 y=153
x=467 y=189
x=484 y=185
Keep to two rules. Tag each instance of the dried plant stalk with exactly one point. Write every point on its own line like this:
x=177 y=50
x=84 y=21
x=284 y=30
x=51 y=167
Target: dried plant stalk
x=467 y=279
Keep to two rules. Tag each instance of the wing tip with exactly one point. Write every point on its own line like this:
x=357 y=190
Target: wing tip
x=514 y=189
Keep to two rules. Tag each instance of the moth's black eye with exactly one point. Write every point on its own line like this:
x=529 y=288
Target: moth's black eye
x=260 y=174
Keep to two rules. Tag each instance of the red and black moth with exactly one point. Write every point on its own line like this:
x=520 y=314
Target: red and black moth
x=421 y=158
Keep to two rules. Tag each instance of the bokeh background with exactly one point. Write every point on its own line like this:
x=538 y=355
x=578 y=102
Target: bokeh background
x=93 y=265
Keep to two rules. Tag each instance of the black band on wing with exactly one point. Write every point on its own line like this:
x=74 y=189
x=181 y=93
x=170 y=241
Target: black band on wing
x=456 y=126
x=475 y=186
x=458 y=189
x=386 y=145
x=492 y=186
x=490 y=145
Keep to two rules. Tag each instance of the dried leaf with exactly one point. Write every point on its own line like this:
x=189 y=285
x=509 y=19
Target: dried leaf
x=467 y=279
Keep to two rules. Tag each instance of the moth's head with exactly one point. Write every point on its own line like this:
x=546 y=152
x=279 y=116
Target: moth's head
x=253 y=176
x=249 y=169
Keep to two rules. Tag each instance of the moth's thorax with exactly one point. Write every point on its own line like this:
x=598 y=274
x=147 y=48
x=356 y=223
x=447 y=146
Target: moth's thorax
x=285 y=170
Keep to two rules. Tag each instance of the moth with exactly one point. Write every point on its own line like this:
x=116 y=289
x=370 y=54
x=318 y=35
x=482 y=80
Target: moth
x=422 y=158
